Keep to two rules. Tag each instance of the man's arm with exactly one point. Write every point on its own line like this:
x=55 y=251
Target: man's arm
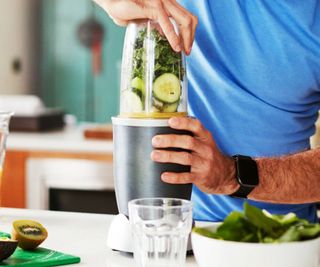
x=289 y=179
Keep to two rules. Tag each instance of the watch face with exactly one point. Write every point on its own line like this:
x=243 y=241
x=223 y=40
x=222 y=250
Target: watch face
x=247 y=171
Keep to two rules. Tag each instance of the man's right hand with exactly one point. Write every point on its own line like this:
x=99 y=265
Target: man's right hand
x=123 y=11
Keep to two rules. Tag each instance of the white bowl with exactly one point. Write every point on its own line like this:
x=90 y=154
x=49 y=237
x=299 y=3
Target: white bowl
x=211 y=252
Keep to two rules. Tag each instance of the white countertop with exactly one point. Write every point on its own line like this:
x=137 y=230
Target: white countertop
x=70 y=139
x=78 y=234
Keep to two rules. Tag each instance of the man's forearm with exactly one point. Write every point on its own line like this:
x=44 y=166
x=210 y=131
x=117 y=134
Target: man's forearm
x=289 y=179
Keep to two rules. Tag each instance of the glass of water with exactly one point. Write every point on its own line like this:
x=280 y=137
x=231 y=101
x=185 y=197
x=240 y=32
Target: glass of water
x=160 y=229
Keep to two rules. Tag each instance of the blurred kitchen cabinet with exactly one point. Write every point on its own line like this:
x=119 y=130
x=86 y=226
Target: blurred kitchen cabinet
x=67 y=77
x=14 y=182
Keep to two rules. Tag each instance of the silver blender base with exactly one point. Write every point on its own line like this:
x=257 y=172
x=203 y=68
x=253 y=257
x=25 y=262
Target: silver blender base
x=119 y=236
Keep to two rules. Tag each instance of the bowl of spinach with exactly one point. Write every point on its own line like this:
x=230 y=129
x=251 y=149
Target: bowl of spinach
x=255 y=238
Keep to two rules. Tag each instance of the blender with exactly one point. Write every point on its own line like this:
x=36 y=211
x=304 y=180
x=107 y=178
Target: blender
x=153 y=89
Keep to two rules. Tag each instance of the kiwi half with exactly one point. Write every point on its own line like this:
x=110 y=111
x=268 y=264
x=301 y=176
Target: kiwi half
x=29 y=234
x=7 y=247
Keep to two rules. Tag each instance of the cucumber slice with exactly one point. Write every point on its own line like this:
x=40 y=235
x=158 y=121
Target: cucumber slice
x=169 y=108
x=138 y=83
x=157 y=104
x=166 y=88
x=130 y=102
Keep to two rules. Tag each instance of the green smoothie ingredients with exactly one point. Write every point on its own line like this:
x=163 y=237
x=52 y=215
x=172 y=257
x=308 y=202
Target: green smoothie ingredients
x=258 y=226
x=168 y=72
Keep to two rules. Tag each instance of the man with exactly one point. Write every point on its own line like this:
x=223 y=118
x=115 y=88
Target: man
x=254 y=87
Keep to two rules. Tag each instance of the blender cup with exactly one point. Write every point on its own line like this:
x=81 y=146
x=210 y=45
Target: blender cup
x=153 y=78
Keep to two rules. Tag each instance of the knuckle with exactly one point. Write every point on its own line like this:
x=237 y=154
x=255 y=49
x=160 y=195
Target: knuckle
x=190 y=142
x=207 y=165
x=195 y=20
x=198 y=126
x=168 y=157
x=188 y=22
x=172 y=141
x=191 y=178
x=172 y=35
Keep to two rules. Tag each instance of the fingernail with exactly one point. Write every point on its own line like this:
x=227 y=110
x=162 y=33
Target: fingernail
x=156 y=141
x=174 y=121
x=177 y=48
x=164 y=176
x=155 y=155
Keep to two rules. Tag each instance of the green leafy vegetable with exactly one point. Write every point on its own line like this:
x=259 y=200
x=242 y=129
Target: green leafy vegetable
x=166 y=59
x=256 y=225
x=261 y=221
x=166 y=64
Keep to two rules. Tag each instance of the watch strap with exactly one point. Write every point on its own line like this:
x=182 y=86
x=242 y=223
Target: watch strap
x=245 y=188
x=242 y=192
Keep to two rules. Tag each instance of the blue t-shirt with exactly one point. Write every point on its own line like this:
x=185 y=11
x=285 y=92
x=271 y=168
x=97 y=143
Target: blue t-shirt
x=254 y=82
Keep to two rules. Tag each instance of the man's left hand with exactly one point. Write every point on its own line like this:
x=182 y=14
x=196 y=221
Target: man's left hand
x=211 y=171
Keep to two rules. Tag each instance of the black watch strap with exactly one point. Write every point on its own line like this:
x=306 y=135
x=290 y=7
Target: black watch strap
x=246 y=175
x=242 y=192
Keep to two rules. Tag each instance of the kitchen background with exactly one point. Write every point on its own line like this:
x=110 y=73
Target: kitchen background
x=67 y=53
x=42 y=53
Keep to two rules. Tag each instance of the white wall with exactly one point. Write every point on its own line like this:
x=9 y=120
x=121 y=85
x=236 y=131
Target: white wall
x=19 y=39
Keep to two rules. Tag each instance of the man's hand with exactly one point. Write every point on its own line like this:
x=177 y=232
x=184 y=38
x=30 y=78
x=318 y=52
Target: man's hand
x=211 y=171
x=123 y=11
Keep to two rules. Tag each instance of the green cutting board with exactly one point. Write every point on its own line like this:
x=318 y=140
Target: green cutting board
x=40 y=257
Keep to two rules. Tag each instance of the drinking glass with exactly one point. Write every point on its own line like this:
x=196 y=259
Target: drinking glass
x=4 y=131
x=160 y=229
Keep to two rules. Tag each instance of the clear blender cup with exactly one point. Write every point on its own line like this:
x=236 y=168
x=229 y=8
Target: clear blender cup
x=153 y=78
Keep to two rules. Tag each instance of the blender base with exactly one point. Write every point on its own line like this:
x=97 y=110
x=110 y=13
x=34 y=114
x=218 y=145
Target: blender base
x=119 y=235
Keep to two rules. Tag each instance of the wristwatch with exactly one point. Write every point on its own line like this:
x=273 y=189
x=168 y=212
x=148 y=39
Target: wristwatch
x=246 y=175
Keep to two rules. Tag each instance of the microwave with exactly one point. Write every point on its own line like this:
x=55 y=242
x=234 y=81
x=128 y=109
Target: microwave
x=74 y=185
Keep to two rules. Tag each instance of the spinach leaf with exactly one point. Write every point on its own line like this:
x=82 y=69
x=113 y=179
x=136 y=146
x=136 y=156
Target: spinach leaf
x=205 y=232
x=237 y=228
x=261 y=221
x=255 y=225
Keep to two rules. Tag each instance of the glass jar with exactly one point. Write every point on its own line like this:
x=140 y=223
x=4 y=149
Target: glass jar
x=153 y=75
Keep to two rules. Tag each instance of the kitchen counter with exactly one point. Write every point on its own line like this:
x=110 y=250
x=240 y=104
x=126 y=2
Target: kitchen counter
x=69 y=139
x=79 y=234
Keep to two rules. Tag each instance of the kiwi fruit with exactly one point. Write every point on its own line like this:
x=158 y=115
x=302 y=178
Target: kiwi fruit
x=7 y=246
x=29 y=234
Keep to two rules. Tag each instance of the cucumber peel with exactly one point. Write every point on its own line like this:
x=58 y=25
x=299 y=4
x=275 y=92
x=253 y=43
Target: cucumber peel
x=169 y=108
